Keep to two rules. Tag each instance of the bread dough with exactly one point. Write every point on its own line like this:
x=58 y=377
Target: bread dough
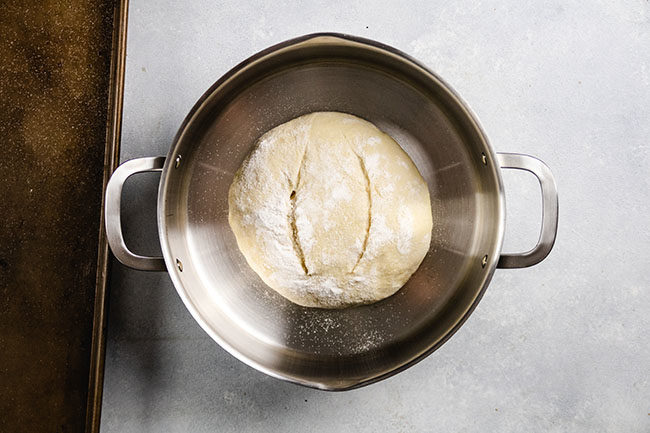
x=330 y=211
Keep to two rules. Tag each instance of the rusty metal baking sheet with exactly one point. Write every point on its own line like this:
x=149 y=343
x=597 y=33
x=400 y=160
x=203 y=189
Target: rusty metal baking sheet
x=60 y=100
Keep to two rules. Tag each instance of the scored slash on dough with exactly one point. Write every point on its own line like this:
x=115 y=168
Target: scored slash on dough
x=365 y=240
x=295 y=239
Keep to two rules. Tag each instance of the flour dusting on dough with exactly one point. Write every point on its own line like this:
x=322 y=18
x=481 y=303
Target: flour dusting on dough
x=330 y=211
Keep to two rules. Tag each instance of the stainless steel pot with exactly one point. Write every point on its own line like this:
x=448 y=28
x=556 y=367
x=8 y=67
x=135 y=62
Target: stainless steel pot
x=331 y=349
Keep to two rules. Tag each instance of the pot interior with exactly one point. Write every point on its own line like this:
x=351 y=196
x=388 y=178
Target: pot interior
x=330 y=349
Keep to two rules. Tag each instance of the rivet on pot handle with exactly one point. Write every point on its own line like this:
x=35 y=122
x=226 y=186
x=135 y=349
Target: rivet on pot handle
x=112 y=213
x=549 y=210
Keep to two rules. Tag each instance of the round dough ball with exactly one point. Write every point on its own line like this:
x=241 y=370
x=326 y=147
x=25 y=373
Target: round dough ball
x=330 y=211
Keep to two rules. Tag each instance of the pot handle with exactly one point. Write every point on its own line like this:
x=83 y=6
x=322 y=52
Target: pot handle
x=549 y=210
x=112 y=214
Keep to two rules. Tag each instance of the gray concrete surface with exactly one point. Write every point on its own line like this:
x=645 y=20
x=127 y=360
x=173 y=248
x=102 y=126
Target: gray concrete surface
x=560 y=347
